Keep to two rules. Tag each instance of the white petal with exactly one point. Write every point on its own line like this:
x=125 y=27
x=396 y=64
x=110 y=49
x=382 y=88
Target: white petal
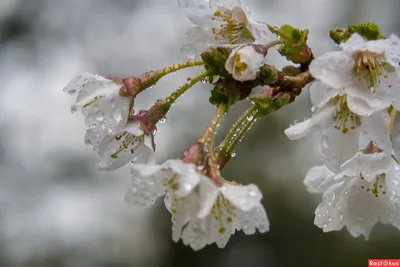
x=376 y=128
x=389 y=90
x=337 y=147
x=208 y=193
x=355 y=43
x=318 y=179
x=145 y=189
x=365 y=106
x=189 y=178
x=228 y=4
x=364 y=210
x=329 y=215
x=255 y=219
x=195 y=10
x=118 y=150
x=321 y=93
x=320 y=120
x=242 y=197
x=394 y=50
x=368 y=165
x=333 y=68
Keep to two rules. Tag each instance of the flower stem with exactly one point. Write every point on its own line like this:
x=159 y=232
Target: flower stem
x=175 y=95
x=235 y=128
x=150 y=78
x=231 y=147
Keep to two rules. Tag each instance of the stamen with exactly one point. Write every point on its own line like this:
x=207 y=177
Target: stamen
x=345 y=119
x=229 y=28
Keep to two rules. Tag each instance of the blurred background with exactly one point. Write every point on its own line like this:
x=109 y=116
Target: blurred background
x=56 y=209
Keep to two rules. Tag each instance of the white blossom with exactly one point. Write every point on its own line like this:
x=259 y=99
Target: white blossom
x=355 y=201
x=220 y=22
x=203 y=213
x=343 y=131
x=105 y=111
x=244 y=62
x=131 y=144
x=366 y=71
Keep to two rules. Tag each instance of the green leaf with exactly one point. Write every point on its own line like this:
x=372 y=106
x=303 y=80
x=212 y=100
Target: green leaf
x=218 y=97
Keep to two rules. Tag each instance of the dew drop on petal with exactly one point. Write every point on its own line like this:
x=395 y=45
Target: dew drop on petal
x=188 y=51
x=243 y=200
x=341 y=217
x=99 y=116
x=325 y=225
x=324 y=71
x=330 y=219
x=116 y=114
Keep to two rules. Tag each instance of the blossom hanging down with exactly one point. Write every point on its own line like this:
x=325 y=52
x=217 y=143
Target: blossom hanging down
x=342 y=127
x=244 y=62
x=367 y=70
x=116 y=141
x=366 y=191
x=203 y=213
x=221 y=22
x=105 y=111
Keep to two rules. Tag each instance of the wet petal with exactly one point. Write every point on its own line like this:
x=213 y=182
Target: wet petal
x=376 y=128
x=242 y=197
x=355 y=43
x=320 y=120
x=318 y=179
x=337 y=147
x=321 y=93
x=333 y=68
x=366 y=105
x=249 y=222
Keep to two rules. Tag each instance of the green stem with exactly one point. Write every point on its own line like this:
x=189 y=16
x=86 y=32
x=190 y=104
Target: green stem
x=151 y=78
x=211 y=129
x=231 y=147
x=235 y=128
x=175 y=95
x=392 y=114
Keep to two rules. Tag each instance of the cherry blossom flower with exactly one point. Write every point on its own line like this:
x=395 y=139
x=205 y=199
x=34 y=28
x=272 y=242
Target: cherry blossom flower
x=364 y=191
x=203 y=213
x=105 y=111
x=244 y=62
x=354 y=201
x=131 y=144
x=367 y=70
x=220 y=22
x=342 y=129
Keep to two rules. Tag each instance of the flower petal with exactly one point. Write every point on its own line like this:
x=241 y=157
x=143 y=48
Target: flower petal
x=329 y=214
x=254 y=219
x=365 y=104
x=318 y=179
x=368 y=165
x=321 y=93
x=320 y=120
x=241 y=196
x=337 y=147
x=394 y=50
x=376 y=128
x=195 y=10
x=355 y=43
x=333 y=68
x=208 y=193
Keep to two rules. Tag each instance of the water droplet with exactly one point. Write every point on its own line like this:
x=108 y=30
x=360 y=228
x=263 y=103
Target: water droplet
x=233 y=154
x=324 y=71
x=252 y=192
x=173 y=104
x=116 y=114
x=325 y=142
x=188 y=80
x=341 y=217
x=163 y=120
x=188 y=51
x=249 y=118
x=103 y=126
x=99 y=116
x=329 y=219
x=313 y=109
x=204 y=80
x=330 y=203
x=325 y=225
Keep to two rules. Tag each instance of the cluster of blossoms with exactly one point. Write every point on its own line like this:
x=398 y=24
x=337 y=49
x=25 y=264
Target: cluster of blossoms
x=354 y=97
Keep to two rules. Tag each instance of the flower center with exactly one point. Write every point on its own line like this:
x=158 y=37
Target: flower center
x=239 y=65
x=231 y=24
x=378 y=186
x=345 y=119
x=128 y=140
x=371 y=67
